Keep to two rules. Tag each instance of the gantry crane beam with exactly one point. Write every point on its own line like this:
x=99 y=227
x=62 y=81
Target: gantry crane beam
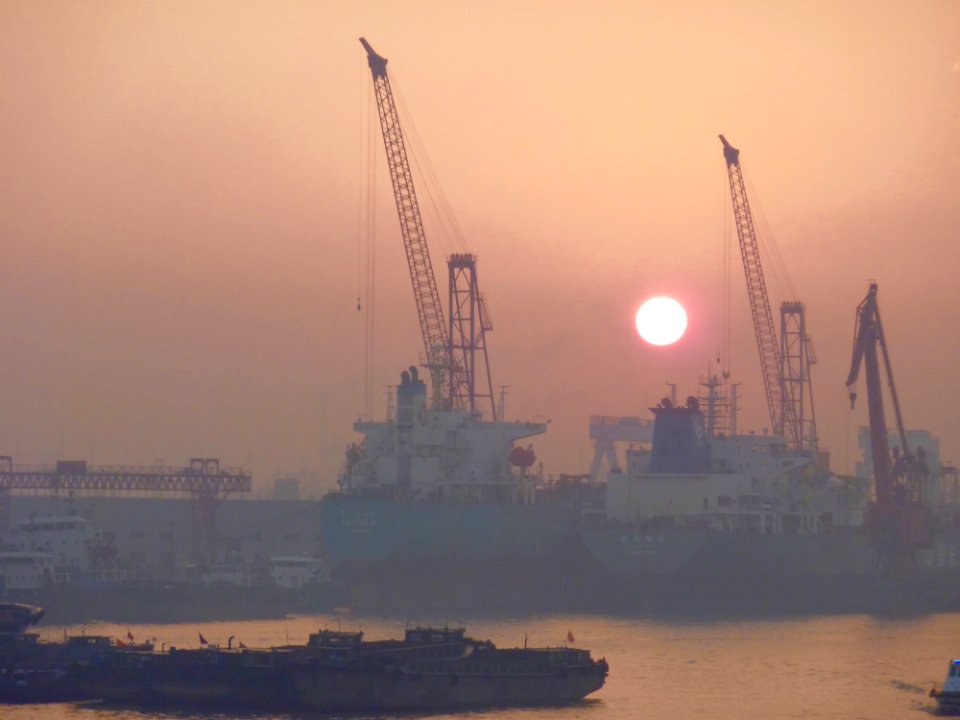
x=165 y=481
x=781 y=412
x=204 y=481
x=429 y=309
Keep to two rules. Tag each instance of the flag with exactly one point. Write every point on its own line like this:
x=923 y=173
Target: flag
x=203 y=640
x=569 y=636
x=129 y=636
x=242 y=645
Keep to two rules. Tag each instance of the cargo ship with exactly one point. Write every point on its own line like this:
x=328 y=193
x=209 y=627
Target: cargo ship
x=431 y=668
x=438 y=507
x=745 y=524
x=70 y=566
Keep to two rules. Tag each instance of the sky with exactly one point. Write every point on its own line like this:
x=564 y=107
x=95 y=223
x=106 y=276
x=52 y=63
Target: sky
x=183 y=189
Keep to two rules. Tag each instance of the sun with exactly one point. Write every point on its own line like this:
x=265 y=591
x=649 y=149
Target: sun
x=661 y=321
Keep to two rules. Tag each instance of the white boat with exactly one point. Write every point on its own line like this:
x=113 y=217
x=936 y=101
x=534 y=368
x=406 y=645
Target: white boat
x=67 y=550
x=947 y=695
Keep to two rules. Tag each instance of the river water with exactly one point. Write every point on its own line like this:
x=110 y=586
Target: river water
x=849 y=666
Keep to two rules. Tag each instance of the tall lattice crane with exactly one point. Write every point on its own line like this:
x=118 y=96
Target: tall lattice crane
x=451 y=350
x=429 y=309
x=783 y=403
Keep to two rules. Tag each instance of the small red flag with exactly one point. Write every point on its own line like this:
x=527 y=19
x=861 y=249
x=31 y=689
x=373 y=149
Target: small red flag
x=203 y=640
x=242 y=645
x=569 y=636
x=129 y=636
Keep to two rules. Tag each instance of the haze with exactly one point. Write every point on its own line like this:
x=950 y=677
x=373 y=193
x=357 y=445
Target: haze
x=181 y=191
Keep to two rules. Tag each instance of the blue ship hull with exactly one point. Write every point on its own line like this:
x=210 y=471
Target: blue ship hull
x=358 y=529
x=700 y=572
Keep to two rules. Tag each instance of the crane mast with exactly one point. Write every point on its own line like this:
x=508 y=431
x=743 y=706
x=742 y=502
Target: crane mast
x=899 y=520
x=781 y=412
x=429 y=309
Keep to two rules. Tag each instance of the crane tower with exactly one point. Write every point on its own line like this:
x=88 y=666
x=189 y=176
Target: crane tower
x=785 y=367
x=451 y=351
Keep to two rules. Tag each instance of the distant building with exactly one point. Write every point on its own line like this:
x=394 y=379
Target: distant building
x=286 y=489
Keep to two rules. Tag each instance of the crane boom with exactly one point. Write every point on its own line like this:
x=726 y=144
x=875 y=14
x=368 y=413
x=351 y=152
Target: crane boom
x=429 y=309
x=781 y=412
x=868 y=333
x=899 y=520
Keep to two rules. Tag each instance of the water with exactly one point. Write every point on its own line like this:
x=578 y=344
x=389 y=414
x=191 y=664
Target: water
x=849 y=667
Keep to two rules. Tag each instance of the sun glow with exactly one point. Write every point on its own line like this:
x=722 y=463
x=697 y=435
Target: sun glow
x=661 y=321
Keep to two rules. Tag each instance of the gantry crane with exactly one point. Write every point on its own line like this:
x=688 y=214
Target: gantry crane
x=450 y=350
x=899 y=520
x=203 y=480
x=785 y=367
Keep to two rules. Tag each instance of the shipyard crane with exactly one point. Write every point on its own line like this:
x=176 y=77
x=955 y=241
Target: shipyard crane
x=785 y=367
x=899 y=521
x=450 y=350
x=203 y=480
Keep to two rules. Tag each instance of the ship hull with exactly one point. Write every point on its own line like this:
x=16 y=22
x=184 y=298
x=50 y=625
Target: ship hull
x=407 y=692
x=948 y=703
x=729 y=573
x=365 y=530
x=326 y=691
x=416 y=556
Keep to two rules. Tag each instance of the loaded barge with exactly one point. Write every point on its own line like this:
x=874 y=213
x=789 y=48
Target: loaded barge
x=430 y=669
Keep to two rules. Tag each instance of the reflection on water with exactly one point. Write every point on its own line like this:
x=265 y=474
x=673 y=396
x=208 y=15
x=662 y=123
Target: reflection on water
x=845 y=667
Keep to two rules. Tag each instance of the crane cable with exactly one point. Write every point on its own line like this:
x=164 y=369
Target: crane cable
x=726 y=273
x=769 y=249
x=451 y=236
x=366 y=247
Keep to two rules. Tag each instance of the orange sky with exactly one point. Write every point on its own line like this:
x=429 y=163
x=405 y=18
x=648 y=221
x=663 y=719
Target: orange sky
x=181 y=188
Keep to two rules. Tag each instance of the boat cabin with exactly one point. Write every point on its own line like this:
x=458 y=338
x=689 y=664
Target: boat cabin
x=433 y=636
x=335 y=638
x=952 y=681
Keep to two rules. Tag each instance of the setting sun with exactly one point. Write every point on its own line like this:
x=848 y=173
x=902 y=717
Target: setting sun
x=661 y=321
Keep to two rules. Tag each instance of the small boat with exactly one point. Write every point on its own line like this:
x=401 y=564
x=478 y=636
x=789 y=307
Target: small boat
x=948 y=694
x=30 y=671
x=17 y=617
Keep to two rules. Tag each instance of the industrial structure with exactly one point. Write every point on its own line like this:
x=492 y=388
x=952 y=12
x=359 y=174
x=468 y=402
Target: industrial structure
x=899 y=519
x=203 y=480
x=469 y=323
x=451 y=350
x=785 y=365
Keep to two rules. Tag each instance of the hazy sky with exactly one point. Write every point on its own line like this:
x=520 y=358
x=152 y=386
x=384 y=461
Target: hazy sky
x=181 y=187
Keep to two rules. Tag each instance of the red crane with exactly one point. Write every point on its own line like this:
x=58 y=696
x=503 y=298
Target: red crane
x=456 y=352
x=785 y=407
x=430 y=311
x=899 y=520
